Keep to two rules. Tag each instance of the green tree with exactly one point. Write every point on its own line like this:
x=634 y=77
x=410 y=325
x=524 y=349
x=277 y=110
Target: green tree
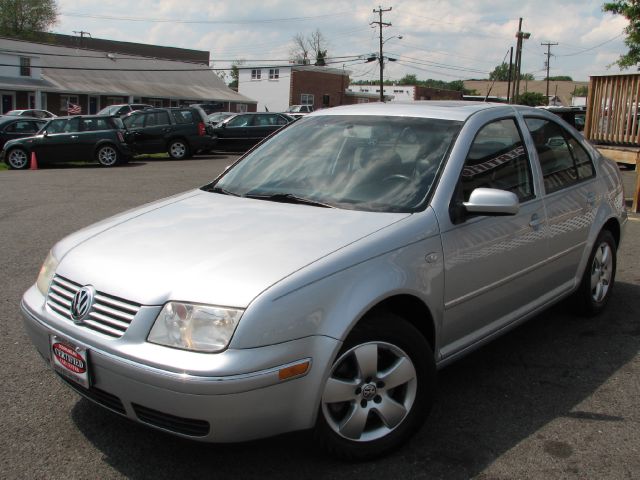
x=561 y=78
x=581 y=91
x=501 y=73
x=630 y=9
x=235 y=74
x=27 y=19
x=533 y=99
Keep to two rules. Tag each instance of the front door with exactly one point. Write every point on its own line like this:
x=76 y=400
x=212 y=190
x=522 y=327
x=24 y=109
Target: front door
x=490 y=261
x=61 y=142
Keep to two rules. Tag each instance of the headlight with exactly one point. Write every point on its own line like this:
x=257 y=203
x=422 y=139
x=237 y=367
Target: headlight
x=46 y=273
x=203 y=328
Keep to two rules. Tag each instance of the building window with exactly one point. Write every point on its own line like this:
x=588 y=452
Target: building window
x=174 y=103
x=363 y=100
x=306 y=99
x=25 y=67
x=155 y=102
x=115 y=100
x=241 y=107
x=256 y=74
x=326 y=100
x=274 y=73
x=66 y=100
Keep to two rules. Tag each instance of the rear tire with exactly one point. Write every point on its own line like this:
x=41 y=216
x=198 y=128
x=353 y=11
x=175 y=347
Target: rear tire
x=107 y=155
x=379 y=391
x=17 y=159
x=599 y=276
x=178 y=149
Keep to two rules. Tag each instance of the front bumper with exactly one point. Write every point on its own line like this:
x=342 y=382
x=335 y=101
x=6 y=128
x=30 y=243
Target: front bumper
x=206 y=406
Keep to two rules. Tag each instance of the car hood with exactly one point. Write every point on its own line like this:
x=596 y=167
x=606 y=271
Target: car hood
x=209 y=248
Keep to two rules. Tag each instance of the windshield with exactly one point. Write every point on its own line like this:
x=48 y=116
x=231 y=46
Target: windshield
x=109 y=110
x=373 y=163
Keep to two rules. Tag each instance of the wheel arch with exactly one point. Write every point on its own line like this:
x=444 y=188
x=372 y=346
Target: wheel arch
x=102 y=143
x=614 y=227
x=410 y=308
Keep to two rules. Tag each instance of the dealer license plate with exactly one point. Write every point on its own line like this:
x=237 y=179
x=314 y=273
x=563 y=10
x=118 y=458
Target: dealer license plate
x=69 y=360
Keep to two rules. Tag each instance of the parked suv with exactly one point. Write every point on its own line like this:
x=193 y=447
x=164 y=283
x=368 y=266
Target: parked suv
x=77 y=138
x=180 y=131
x=123 y=109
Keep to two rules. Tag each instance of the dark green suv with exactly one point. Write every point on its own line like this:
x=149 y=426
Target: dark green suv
x=71 y=139
x=181 y=131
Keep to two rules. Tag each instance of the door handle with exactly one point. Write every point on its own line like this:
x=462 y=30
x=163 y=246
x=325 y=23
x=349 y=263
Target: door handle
x=536 y=221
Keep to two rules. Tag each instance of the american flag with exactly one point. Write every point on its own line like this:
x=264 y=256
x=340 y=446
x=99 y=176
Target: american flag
x=73 y=109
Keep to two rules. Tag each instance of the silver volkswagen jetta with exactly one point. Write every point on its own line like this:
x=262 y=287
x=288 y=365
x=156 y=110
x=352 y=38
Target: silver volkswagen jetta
x=322 y=279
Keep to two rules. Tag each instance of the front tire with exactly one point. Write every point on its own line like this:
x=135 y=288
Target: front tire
x=178 y=149
x=380 y=389
x=107 y=155
x=17 y=159
x=598 y=278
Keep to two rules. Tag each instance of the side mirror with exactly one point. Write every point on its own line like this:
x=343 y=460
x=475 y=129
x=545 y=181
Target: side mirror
x=491 y=201
x=45 y=133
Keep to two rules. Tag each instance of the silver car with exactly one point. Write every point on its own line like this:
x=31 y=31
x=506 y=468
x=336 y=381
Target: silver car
x=321 y=281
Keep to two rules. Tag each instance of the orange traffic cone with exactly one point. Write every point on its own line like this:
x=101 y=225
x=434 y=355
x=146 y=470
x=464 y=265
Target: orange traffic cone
x=34 y=162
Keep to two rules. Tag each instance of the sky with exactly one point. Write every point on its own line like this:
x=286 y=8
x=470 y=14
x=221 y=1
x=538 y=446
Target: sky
x=441 y=39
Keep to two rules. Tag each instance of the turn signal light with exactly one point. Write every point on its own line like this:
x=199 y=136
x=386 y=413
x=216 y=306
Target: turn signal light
x=294 y=370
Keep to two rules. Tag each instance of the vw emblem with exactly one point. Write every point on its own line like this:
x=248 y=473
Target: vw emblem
x=369 y=391
x=81 y=303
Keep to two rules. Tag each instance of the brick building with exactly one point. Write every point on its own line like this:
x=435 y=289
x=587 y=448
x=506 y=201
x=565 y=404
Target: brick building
x=275 y=87
x=408 y=93
x=42 y=75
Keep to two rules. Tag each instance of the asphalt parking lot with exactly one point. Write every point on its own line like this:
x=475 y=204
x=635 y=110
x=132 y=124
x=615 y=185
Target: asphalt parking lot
x=555 y=398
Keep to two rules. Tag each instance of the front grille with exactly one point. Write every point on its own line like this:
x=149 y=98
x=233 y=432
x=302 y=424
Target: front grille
x=109 y=315
x=99 y=396
x=185 y=426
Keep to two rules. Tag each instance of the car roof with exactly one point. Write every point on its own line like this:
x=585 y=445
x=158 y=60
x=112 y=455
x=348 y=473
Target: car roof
x=13 y=118
x=443 y=109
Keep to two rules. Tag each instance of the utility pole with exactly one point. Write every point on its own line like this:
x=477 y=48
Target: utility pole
x=548 y=54
x=521 y=36
x=381 y=24
x=82 y=34
x=509 y=76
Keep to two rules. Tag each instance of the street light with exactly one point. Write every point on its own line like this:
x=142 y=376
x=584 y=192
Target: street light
x=381 y=60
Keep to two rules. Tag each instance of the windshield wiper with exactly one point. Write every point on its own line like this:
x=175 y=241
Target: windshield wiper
x=221 y=190
x=288 y=198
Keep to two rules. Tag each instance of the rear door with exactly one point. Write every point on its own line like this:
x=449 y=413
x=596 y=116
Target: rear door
x=264 y=125
x=492 y=272
x=571 y=196
x=92 y=130
x=234 y=134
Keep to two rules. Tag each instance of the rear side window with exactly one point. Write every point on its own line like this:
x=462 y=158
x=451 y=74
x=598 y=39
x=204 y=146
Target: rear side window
x=183 y=116
x=23 y=127
x=73 y=125
x=157 y=118
x=94 y=124
x=563 y=160
x=56 y=126
x=134 y=121
x=497 y=159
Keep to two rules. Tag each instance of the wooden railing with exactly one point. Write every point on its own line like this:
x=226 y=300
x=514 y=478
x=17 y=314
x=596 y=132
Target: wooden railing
x=613 y=110
x=613 y=121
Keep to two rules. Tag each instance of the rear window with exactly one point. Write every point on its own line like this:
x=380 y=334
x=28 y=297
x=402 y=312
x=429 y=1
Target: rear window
x=183 y=116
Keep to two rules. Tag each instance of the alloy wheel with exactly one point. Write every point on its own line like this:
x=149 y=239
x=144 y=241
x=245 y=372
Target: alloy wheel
x=601 y=271
x=369 y=392
x=17 y=159
x=107 y=156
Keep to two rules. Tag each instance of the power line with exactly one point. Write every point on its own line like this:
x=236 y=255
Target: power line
x=217 y=22
x=591 y=48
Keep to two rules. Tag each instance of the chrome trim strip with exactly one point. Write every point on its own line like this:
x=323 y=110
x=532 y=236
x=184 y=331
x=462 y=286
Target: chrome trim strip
x=455 y=302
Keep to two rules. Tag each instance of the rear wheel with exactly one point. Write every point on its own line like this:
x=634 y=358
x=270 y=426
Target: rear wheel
x=107 y=155
x=379 y=391
x=17 y=159
x=178 y=149
x=597 y=281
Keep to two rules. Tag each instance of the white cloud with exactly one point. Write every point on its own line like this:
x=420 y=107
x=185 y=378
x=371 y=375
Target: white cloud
x=465 y=35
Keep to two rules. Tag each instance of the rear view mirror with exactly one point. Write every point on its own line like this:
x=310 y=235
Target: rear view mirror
x=491 y=201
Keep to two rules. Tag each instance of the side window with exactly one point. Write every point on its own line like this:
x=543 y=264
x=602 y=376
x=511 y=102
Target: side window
x=22 y=127
x=134 y=121
x=94 y=124
x=563 y=160
x=497 y=159
x=280 y=120
x=157 y=118
x=56 y=126
x=182 y=116
x=72 y=126
x=239 y=121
